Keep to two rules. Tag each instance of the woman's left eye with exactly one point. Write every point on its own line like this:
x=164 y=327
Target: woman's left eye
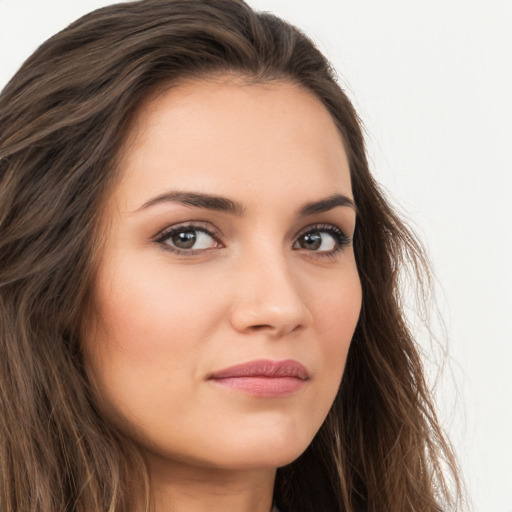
x=327 y=239
x=187 y=239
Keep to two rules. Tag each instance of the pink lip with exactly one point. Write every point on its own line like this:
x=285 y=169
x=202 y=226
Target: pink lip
x=263 y=377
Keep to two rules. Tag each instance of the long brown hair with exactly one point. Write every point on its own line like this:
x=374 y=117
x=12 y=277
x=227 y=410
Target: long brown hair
x=63 y=119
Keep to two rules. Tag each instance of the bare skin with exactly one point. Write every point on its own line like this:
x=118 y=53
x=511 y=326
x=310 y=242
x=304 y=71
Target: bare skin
x=243 y=491
x=189 y=286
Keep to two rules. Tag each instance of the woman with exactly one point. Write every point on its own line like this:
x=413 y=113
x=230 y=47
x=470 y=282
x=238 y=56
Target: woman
x=199 y=279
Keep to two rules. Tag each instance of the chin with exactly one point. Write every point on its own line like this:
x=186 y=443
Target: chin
x=268 y=449
x=242 y=450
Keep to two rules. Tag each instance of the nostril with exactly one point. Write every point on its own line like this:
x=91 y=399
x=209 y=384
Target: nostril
x=264 y=327
x=261 y=327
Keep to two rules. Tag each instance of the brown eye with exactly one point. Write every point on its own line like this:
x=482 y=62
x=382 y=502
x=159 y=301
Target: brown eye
x=327 y=239
x=187 y=238
x=311 y=241
x=184 y=240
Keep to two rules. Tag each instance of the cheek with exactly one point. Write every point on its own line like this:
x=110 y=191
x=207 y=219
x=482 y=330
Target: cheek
x=149 y=338
x=335 y=304
x=147 y=309
x=337 y=310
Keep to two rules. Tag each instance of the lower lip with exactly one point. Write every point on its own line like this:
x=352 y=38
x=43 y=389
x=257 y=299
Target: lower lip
x=263 y=386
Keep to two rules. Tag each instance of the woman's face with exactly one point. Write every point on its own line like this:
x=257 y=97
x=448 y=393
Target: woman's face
x=229 y=243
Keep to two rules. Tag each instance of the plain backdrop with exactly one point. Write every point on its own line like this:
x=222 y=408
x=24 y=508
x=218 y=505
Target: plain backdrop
x=432 y=83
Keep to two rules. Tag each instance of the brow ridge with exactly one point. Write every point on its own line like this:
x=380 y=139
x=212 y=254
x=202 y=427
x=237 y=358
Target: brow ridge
x=324 y=205
x=198 y=200
x=223 y=204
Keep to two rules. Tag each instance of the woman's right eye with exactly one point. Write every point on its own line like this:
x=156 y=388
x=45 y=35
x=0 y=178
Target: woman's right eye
x=187 y=239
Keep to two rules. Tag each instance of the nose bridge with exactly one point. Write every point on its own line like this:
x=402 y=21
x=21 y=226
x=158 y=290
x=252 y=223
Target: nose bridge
x=268 y=292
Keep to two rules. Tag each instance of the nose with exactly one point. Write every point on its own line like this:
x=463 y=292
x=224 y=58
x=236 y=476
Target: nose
x=268 y=298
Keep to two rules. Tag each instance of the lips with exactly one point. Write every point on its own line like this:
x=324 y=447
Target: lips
x=263 y=377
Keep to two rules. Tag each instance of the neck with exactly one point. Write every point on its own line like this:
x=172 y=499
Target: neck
x=189 y=488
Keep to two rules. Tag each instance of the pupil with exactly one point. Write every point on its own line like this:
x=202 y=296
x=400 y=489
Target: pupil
x=184 y=240
x=311 y=241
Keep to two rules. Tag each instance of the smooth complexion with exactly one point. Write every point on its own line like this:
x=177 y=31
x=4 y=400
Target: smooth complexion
x=229 y=243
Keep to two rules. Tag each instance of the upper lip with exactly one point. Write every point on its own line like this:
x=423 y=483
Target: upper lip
x=264 y=368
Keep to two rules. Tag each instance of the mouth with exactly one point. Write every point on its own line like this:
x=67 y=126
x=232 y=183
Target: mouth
x=264 y=378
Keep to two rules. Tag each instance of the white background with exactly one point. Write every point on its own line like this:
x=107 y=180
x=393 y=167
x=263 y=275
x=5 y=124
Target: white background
x=433 y=85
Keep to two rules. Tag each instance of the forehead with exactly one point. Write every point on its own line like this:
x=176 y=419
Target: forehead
x=227 y=136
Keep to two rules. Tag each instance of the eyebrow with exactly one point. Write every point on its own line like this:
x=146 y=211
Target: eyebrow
x=324 y=205
x=207 y=201
x=223 y=204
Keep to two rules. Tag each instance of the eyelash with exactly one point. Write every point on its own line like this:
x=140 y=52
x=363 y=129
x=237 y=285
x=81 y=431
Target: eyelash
x=342 y=240
x=167 y=233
